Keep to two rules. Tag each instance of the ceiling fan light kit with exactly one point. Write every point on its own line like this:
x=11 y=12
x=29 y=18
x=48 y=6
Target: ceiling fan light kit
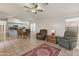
x=35 y=8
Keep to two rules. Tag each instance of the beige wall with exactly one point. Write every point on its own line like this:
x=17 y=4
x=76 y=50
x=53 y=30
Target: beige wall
x=58 y=24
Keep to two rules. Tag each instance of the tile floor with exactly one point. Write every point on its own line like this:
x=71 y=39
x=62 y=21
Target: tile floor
x=14 y=46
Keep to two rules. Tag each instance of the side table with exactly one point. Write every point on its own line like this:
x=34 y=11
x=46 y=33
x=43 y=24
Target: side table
x=52 y=39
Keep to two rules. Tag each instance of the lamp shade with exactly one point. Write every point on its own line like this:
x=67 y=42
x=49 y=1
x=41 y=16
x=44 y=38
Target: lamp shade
x=53 y=32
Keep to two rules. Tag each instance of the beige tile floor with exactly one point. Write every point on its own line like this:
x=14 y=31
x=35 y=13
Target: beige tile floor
x=10 y=46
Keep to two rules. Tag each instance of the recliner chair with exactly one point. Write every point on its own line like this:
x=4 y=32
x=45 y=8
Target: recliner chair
x=42 y=34
x=69 y=41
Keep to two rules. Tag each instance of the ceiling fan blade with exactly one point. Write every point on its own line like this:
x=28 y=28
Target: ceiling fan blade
x=27 y=7
x=40 y=10
x=28 y=11
x=36 y=6
x=46 y=3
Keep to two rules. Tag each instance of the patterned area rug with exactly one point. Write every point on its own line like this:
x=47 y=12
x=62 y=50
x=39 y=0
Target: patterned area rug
x=43 y=50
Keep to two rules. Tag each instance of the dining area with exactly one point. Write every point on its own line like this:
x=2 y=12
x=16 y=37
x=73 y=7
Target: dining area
x=18 y=29
x=23 y=33
x=19 y=33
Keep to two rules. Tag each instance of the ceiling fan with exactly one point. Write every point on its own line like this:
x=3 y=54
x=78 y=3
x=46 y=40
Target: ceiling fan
x=34 y=8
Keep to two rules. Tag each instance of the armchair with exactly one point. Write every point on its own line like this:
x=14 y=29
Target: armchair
x=42 y=34
x=69 y=41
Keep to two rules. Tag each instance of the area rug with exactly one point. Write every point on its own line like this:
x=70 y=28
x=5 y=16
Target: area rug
x=43 y=50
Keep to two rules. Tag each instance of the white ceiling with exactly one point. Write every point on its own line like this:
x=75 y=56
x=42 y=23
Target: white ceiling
x=60 y=10
x=52 y=10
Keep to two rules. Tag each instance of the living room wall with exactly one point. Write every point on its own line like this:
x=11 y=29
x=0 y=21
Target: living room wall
x=57 y=24
x=49 y=22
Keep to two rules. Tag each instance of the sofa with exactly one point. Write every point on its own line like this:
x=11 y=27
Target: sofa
x=42 y=34
x=69 y=41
